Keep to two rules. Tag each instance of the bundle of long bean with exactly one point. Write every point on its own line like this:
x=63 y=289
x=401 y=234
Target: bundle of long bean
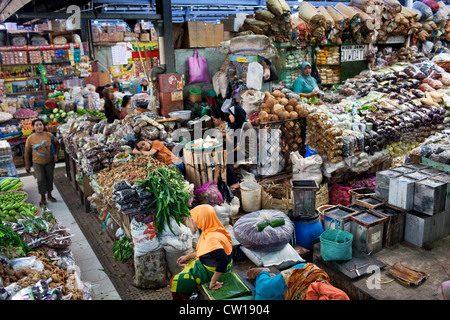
x=173 y=195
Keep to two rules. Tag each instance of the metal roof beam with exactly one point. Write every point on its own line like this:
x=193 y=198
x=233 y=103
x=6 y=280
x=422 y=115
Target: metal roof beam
x=88 y=15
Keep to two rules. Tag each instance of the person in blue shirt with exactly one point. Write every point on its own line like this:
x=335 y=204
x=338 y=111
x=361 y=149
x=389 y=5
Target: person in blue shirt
x=144 y=87
x=303 y=281
x=305 y=85
x=269 y=286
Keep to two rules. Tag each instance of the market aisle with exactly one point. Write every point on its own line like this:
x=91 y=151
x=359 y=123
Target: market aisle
x=85 y=258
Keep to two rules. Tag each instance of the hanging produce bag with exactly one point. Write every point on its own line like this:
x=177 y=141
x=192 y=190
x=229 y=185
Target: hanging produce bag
x=255 y=75
x=198 y=69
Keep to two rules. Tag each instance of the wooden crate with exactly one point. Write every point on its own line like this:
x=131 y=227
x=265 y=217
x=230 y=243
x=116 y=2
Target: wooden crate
x=205 y=166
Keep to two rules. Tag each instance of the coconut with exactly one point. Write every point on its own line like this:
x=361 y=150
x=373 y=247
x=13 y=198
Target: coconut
x=293 y=102
x=293 y=115
x=277 y=108
x=283 y=101
x=283 y=115
x=271 y=102
x=289 y=108
x=276 y=93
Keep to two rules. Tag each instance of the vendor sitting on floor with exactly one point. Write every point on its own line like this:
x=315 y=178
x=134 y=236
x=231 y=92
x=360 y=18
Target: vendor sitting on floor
x=160 y=151
x=212 y=258
x=304 y=281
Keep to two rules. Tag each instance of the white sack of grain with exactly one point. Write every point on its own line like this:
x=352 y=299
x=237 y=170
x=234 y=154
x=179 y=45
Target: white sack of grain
x=337 y=16
x=306 y=11
x=329 y=19
x=253 y=45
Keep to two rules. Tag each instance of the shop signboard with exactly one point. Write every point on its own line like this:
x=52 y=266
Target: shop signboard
x=353 y=53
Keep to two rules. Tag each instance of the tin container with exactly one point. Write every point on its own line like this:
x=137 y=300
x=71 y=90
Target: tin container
x=446 y=179
x=421 y=229
x=383 y=181
x=338 y=217
x=367 y=229
x=430 y=196
x=304 y=197
x=404 y=169
x=432 y=171
x=394 y=227
x=401 y=192
x=370 y=201
x=360 y=192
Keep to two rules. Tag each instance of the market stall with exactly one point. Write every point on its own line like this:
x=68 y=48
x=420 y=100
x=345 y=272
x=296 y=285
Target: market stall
x=368 y=157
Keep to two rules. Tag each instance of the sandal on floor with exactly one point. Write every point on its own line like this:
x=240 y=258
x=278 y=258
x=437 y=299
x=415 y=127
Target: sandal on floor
x=42 y=204
x=51 y=199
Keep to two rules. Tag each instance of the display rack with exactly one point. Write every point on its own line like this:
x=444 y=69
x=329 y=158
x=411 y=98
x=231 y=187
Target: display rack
x=21 y=65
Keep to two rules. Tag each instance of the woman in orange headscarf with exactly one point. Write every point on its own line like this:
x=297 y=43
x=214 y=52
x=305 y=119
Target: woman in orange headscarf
x=212 y=258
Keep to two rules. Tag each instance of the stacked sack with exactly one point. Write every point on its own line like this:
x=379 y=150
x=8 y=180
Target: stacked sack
x=275 y=22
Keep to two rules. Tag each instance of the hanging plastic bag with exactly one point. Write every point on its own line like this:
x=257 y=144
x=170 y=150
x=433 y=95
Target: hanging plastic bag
x=255 y=75
x=225 y=190
x=198 y=69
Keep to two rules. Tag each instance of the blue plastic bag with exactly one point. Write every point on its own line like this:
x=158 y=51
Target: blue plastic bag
x=309 y=152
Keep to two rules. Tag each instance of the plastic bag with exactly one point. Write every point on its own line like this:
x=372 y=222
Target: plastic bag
x=255 y=75
x=198 y=69
x=270 y=238
x=225 y=190
x=144 y=237
x=209 y=193
x=281 y=259
x=340 y=195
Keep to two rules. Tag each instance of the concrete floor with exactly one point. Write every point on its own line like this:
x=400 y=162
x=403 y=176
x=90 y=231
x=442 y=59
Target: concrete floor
x=85 y=258
x=380 y=285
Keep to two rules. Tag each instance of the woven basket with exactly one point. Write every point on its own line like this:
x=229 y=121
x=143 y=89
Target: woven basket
x=336 y=245
x=53 y=128
x=444 y=65
x=322 y=196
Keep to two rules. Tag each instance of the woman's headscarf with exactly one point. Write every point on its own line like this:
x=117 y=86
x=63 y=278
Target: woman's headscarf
x=239 y=117
x=309 y=80
x=213 y=236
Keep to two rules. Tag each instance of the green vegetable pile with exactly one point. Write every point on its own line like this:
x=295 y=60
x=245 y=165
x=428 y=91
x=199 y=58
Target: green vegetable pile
x=173 y=195
x=12 y=197
x=94 y=113
x=11 y=245
x=122 y=249
x=10 y=211
x=10 y=183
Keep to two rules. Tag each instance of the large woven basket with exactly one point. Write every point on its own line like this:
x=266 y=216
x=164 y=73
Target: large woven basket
x=336 y=245
x=444 y=65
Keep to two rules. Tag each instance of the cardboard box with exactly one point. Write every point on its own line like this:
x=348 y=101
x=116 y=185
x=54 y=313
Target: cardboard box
x=104 y=37
x=116 y=36
x=199 y=34
x=96 y=37
x=145 y=37
x=104 y=78
x=153 y=34
x=233 y=22
x=58 y=25
x=121 y=28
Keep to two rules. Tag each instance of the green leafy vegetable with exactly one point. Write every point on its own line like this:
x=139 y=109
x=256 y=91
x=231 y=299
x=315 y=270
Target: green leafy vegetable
x=173 y=195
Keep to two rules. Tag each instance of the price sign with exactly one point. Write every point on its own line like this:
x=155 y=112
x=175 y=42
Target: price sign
x=353 y=53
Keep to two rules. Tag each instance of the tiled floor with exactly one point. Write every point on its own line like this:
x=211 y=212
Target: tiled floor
x=85 y=258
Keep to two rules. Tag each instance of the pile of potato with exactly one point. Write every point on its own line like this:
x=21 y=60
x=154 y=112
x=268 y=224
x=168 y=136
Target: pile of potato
x=277 y=106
